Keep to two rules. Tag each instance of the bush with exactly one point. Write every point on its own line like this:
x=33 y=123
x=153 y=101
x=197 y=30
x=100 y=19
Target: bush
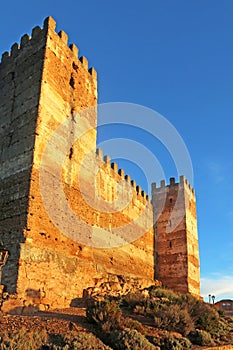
x=133 y=324
x=208 y=319
x=175 y=343
x=164 y=294
x=171 y=342
x=85 y=341
x=130 y=340
x=204 y=316
x=171 y=311
x=221 y=313
x=106 y=314
x=134 y=299
x=172 y=318
x=23 y=340
x=200 y=337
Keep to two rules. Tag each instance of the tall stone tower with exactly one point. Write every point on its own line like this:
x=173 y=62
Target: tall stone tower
x=44 y=84
x=176 y=239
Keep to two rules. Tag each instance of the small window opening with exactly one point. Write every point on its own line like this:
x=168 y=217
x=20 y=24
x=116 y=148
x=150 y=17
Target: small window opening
x=71 y=153
x=72 y=82
x=170 y=244
x=170 y=200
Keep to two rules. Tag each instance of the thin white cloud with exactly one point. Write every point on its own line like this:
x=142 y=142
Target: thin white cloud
x=221 y=287
x=217 y=172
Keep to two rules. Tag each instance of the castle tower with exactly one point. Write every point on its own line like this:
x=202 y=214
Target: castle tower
x=46 y=87
x=44 y=84
x=176 y=238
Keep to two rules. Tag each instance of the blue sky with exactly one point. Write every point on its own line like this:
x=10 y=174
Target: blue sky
x=175 y=57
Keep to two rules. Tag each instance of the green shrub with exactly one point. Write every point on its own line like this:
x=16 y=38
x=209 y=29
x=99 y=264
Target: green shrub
x=171 y=311
x=76 y=341
x=130 y=340
x=170 y=342
x=85 y=341
x=200 y=337
x=172 y=318
x=204 y=316
x=106 y=314
x=23 y=340
x=164 y=294
x=175 y=343
x=133 y=324
x=208 y=321
x=134 y=299
x=55 y=341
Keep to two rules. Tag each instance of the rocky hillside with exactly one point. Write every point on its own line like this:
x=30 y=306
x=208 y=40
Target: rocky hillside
x=121 y=314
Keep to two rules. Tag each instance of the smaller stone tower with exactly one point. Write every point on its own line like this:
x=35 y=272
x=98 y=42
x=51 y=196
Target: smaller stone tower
x=176 y=247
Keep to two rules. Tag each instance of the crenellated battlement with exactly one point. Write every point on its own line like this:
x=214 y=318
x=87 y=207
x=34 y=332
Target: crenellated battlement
x=182 y=182
x=48 y=26
x=25 y=41
x=121 y=174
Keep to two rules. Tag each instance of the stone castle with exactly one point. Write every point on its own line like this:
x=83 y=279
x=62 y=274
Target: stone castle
x=42 y=83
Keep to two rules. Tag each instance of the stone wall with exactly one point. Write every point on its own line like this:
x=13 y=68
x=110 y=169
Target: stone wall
x=53 y=263
x=68 y=215
x=20 y=83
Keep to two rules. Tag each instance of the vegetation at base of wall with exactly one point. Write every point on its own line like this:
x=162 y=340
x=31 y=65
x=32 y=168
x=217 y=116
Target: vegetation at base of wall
x=200 y=337
x=176 y=312
x=153 y=319
x=169 y=341
x=23 y=340
x=133 y=325
x=35 y=340
x=129 y=339
x=126 y=333
x=106 y=314
x=182 y=319
x=78 y=341
x=173 y=318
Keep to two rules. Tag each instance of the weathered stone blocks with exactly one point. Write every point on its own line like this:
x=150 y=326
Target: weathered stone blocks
x=43 y=84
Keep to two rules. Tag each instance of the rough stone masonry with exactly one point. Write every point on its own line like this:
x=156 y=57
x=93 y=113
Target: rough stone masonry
x=43 y=83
